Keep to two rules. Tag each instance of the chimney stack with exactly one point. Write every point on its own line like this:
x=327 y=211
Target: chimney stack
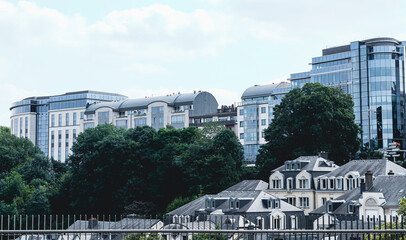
x=323 y=155
x=92 y=223
x=391 y=173
x=368 y=180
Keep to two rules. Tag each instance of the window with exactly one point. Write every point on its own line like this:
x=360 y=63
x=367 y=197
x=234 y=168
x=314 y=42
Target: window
x=231 y=203
x=351 y=208
x=304 y=183
x=82 y=115
x=241 y=135
x=331 y=183
x=74 y=118
x=263 y=109
x=103 y=117
x=323 y=200
x=88 y=125
x=242 y=124
x=263 y=134
x=178 y=119
x=330 y=208
x=237 y=204
x=59 y=119
x=67 y=119
x=121 y=124
x=276 y=205
x=293 y=223
x=155 y=110
x=339 y=183
x=323 y=183
x=74 y=135
x=260 y=222
x=290 y=184
x=53 y=120
x=276 y=183
x=277 y=222
x=139 y=122
x=241 y=111
x=263 y=122
x=292 y=200
x=304 y=202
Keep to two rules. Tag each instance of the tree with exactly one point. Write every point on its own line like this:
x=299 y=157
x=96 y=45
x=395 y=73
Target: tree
x=180 y=201
x=309 y=120
x=402 y=208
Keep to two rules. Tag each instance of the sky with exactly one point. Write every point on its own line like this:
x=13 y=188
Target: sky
x=150 y=48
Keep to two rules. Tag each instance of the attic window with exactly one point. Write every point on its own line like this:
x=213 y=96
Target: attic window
x=351 y=208
x=329 y=207
x=232 y=203
x=277 y=202
x=213 y=203
x=237 y=204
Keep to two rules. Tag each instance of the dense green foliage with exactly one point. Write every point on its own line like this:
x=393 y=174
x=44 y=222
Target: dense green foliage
x=180 y=201
x=28 y=180
x=402 y=208
x=115 y=170
x=309 y=120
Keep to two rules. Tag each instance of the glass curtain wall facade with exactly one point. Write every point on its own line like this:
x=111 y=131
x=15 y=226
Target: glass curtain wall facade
x=37 y=110
x=372 y=71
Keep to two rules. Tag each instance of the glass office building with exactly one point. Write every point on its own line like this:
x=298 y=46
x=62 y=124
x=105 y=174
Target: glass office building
x=43 y=119
x=255 y=113
x=372 y=71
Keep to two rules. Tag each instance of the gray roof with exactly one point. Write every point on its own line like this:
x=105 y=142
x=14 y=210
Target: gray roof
x=125 y=223
x=197 y=225
x=250 y=201
x=392 y=187
x=249 y=185
x=377 y=166
x=263 y=90
x=142 y=103
x=311 y=163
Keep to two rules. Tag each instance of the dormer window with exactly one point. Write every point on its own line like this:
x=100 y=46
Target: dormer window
x=323 y=183
x=288 y=166
x=339 y=183
x=213 y=203
x=277 y=203
x=237 y=204
x=304 y=183
x=329 y=207
x=277 y=184
x=351 y=208
x=331 y=183
x=232 y=203
x=289 y=183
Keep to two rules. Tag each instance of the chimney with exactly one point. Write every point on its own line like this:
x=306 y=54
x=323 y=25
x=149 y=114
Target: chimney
x=323 y=155
x=368 y=180
x=362 y=188
x=92 y=223
x=391 y=173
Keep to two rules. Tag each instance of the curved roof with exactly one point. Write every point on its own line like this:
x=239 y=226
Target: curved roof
x=263 y=90
x=140 y=103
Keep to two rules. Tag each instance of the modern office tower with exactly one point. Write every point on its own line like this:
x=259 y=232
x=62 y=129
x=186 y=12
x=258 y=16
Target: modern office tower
x=158 y=112
x=255 y=114
x=53 y=122
x=372 y=71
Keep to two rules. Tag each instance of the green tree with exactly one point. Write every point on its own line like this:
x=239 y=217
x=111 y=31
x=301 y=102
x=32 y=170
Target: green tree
x=38 y=203
x=180 y=201
x=309 y=120
x=402 y=208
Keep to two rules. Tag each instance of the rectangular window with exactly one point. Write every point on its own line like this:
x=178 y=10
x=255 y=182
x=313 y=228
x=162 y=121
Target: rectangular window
x=323 y=200
x=66 y=144
x=263 y=109
x=82 y=115
x=21 y=127
x=242 y=124
x=339 y=183
x=88 y=125
x=103 y=117
x=59 y=144
x=74 y=135
x=155 y=110
x=178 y=119
x=241 y=135
x=139 y=122
x=292 y=200
x=303 y=183
x=121 y=124
x=241 y=112
x=67 y=119
x=263 y=122
x=53 y=120
x=290 y=183
x=26 y=126
x=60 y=120
x=331 y=183
x=74 y=118
x=304 y=202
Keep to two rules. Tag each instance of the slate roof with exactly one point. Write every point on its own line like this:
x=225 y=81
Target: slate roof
x=249 y=185
x=392 y=187
x=263 y=90
x=377 y=166
x=125 y=223
x=197 y=225
x=310 y=163
x=250 y=201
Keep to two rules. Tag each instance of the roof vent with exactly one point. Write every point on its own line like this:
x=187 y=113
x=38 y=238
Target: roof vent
x=256 y=85
x=391 y=173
